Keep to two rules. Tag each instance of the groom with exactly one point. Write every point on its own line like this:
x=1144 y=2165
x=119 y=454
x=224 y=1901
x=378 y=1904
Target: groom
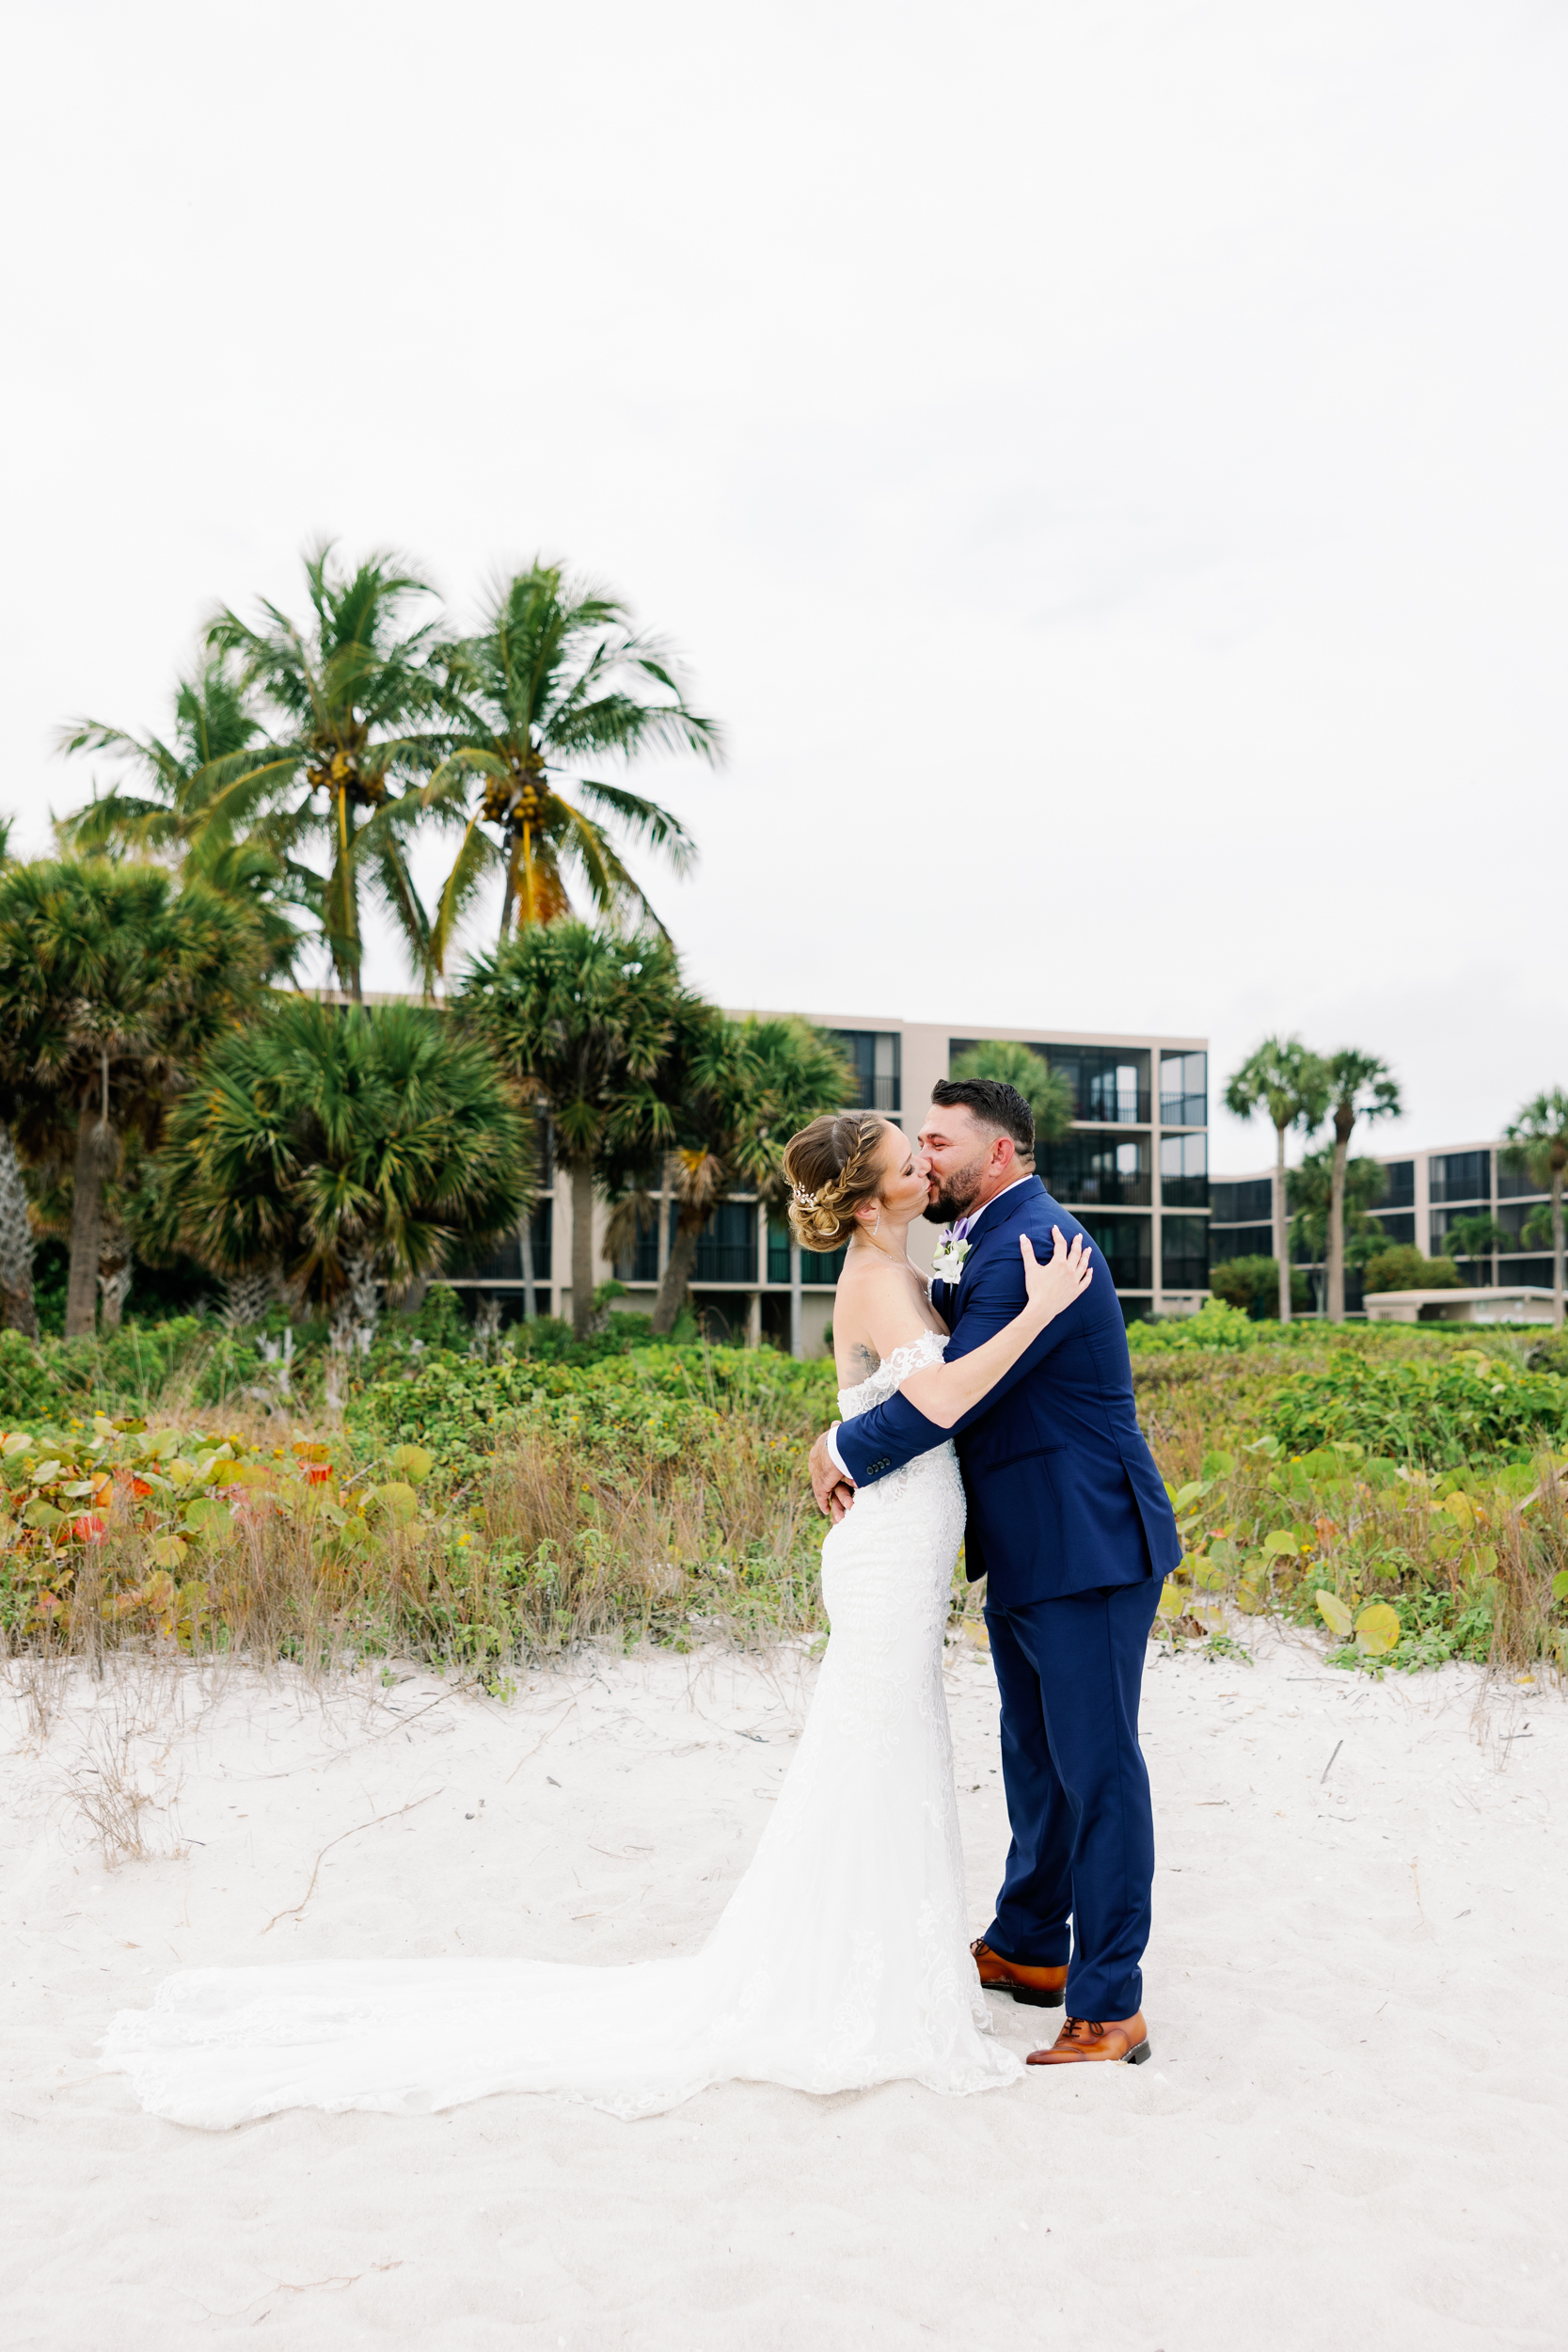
x=1070 y=1526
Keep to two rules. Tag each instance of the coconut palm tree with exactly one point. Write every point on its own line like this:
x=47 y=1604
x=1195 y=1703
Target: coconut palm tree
x=1359 y=1086
x=556 y=679
x=1290 y=1084
x=331 y=1148
x=356 y=706
x=1048 y=1095
x=113 y=979
x=582 y=1018
x=1309 y=1189
x=1538 y=1140
x=738 y=1090
x=201 y=802
x=18 y=1311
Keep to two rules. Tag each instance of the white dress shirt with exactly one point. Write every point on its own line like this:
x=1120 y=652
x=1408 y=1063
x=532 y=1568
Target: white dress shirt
x=970 y=1219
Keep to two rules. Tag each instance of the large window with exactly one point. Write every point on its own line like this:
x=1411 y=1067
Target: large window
x=1184 y=1253
x=1514 y=1183
x=727 y=1251
x=1086 y=1167
x=1128 y=1246
x=504 y=1261
x=815 y=1265
x=1401 y=1190
x=877 y=1060
x=1185 y=1089
x=1239 y=1240
x=1399 y=1224
x=1461 y=1176
x=1185 y=1171
x=1241 y=1204
x=1110 y=1084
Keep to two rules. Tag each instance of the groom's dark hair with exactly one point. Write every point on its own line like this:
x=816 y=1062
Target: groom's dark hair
x=994 y=1104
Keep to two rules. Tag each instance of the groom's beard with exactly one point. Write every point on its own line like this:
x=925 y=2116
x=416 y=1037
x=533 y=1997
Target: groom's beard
x=957 y=1197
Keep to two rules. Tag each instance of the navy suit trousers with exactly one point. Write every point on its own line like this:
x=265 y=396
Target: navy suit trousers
x=1070 y=1672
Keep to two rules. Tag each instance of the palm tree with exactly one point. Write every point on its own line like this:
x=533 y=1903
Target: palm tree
x=1538 y=1137
x=1309 y=1189
x=1290 y=1084
x=1048 y=1095
x=1359 y=1086
x=357 y=706
x=582 y=1018
x=1476 y=1237
x=112 y=981
x=556 y=677
x=738 y=1090
x=204 y=805
x=18 y=1311
x=331 y=1148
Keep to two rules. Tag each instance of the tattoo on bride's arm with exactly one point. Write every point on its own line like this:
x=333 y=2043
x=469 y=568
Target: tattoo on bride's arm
x=865 y=1360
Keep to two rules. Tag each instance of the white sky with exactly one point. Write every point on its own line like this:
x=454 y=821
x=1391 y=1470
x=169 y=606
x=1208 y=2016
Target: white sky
x=1106 y=464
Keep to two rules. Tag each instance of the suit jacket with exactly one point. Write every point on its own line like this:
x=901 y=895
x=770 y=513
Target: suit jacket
x=1062 y=1493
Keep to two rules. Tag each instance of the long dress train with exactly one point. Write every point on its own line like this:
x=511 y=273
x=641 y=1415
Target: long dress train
x=841 y=1959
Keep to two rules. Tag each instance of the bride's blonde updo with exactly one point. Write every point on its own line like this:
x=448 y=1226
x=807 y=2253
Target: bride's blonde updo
x=833 y=1167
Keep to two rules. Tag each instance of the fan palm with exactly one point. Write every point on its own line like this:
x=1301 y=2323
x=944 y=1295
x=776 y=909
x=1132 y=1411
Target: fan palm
x=1538 y=1145
x=204 y=804
x=336 y=1145
x=1359 y=1086
x=1291 y=1086
x=582 y=1020
x=356 y=707
x=112 y=981
x=556 y=677
x=738 y=1091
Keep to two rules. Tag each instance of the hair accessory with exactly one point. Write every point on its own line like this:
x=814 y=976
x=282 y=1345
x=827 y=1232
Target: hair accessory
x=804 y=1200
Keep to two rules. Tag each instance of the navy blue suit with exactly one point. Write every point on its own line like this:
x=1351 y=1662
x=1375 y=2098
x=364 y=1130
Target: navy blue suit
x=1071 y=1525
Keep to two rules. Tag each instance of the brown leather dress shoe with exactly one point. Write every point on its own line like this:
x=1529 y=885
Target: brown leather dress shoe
x=1079 y=2044
x=1037 y=1988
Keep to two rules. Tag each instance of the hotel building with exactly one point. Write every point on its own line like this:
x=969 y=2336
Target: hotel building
x=1133 y=1167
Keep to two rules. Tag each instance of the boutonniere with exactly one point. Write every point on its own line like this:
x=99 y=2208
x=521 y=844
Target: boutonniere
x=948 y=1265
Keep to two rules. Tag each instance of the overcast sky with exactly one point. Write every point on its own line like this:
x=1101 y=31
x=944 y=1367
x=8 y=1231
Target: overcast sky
x=1106 y=464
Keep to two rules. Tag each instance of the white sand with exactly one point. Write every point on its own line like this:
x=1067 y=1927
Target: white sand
x=1353 y=2131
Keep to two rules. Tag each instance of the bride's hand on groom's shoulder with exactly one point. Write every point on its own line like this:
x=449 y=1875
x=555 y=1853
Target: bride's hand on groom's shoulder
x=1065 y=1275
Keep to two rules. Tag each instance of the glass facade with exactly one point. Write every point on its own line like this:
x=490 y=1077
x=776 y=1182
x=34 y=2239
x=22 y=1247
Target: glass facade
x=1128 y=1245
x=1110 y=1084
x=1243 y=1204
x=1081 y=1167
x=1239 y=1240
x=1516 y=1183
x=1185 y=1089
x=875 y=1055
x=1401 y=1190
x=504 y=1261
x=1185 y=1171
x=814 y=1265
x=1399 y=1224
x=1184 y=1253
x=1460 y=1176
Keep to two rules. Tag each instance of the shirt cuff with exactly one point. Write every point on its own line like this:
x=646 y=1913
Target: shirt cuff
x=832 y=1448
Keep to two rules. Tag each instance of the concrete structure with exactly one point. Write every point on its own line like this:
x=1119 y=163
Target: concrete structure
x=1135 y=1168
x=1429 y=1193
x=1522 y=1303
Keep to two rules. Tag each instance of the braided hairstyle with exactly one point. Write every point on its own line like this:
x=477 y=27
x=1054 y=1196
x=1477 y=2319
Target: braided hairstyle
x=833 y=1167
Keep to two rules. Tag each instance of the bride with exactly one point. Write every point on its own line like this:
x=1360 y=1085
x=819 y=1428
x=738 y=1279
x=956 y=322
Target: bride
x=842 y=1959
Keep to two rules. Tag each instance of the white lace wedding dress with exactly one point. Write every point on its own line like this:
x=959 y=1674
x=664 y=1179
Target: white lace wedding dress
x=841 y=1959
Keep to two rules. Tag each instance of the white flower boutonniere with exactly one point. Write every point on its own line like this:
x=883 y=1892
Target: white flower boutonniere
x=948 y=1265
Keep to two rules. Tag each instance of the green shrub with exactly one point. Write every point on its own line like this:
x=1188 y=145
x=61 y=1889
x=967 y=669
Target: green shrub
x=1215 y=1325
x=1253 y=1285
x=1403 y=1267
x=1438 y=1412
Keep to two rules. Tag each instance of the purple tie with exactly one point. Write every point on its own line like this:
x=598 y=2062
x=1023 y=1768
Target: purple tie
x=960 y=1229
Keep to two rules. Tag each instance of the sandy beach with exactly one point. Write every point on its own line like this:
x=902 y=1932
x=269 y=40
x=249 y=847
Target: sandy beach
x=1352 y=2131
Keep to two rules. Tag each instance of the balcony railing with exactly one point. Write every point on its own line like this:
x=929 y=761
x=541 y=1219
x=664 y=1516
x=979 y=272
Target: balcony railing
x=1185 y=1110
x=816 y=1266
x=1117 y=1106
x=1107 y=1189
